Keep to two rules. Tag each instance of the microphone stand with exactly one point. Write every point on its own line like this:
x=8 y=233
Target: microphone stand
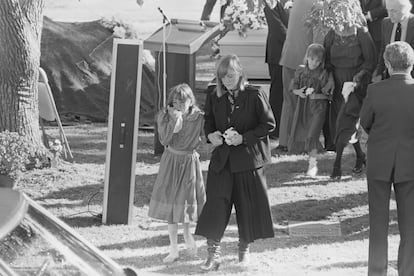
x=165 y=21
x=162 y=99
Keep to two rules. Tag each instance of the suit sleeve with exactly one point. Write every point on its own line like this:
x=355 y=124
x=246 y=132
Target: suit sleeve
x=209 y=120
x=367 y=115
x=266 y=120
x=384 y=41
x=274 y=22
x=368 y=50
x=327 y=43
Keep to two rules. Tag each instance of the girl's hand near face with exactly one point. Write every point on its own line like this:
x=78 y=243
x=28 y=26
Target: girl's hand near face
x=174 y=113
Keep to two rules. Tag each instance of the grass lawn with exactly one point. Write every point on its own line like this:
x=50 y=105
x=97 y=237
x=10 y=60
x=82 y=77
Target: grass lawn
x=74 y=192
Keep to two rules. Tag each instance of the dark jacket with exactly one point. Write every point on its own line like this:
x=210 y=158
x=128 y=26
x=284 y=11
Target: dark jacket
x=277 y=21
x=252 y=117
x=387 y=115
x=378 y=11
x=387 y=27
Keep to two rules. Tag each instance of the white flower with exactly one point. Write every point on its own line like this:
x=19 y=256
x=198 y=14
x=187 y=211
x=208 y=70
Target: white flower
x=241 y=15
x=119 y=32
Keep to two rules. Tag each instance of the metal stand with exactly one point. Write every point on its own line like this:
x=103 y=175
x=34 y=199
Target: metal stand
x=162 y=99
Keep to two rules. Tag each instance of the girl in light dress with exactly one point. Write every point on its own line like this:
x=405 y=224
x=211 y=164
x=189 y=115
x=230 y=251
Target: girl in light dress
x=179 y=194
x=309 y=115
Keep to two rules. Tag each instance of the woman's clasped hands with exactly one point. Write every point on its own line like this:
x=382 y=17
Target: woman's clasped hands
x=231 y=137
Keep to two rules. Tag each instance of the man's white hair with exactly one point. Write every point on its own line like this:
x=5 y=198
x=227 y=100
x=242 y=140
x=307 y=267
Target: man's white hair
x=405 y=4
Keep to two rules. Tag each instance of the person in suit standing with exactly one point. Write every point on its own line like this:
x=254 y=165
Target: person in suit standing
x=387 y=115
x=398 y=26
x=374 y=12
x=277 y=21
x=298 y=38
x=238 y=120
x=208 y=9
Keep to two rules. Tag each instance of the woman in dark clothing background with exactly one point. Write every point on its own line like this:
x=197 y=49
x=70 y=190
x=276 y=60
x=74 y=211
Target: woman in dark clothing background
x=350 y=55
x=238 y=120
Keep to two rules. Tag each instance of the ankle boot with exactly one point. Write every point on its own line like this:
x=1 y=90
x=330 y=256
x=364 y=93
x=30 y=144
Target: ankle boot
x=244 y=252
x=336 y=173
x=213 y=258
x=359 y=164
x=312 y=167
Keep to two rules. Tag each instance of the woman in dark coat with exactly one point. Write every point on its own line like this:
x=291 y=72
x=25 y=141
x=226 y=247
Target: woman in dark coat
x=350 y=55
x=238 y=120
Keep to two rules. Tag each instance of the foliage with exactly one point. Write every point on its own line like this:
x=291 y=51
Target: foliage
x=242 y=15
x=18 y=154
x=335 y=14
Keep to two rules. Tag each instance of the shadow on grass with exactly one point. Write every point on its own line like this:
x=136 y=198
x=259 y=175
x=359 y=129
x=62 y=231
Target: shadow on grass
x=313 y=209
x=292 y=168
x=343 y=265
x=78 y=193
x=88 y=220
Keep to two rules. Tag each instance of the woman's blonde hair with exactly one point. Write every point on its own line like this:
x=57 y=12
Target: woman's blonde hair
x=226 y=63
x=181 y=92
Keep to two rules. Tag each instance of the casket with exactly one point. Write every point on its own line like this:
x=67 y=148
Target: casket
x=251 y=50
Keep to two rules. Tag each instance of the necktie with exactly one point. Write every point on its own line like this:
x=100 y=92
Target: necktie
x=398 y=32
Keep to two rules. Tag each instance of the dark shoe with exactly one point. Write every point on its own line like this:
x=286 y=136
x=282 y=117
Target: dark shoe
x=361 y=161
x=330 y=148
x=244 y=252
x=281 y=148
x=213 y=258
x=336 y=173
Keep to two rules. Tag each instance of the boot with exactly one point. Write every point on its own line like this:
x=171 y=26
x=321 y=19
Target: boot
x=336 y=173
x=244 y=252
x=361 y=161
x=213 y=258
x=313 y=167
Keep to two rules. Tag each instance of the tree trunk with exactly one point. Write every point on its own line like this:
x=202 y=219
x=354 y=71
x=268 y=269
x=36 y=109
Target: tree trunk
x=20 y=33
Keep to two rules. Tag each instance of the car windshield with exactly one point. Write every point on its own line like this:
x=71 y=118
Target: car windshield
x=43 y=245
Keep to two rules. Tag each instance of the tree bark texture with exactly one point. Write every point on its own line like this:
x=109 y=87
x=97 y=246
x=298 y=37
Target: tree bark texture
x=20 y=33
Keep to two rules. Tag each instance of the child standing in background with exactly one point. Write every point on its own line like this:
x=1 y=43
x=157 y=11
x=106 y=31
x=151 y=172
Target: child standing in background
x=179 y=194
x=310 y=111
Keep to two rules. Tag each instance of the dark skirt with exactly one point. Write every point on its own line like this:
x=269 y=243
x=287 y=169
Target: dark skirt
x=341 y=75
x=248 y=192
x=347 y=122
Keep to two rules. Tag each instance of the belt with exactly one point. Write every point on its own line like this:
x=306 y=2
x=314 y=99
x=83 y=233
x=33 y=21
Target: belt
x=180 y=152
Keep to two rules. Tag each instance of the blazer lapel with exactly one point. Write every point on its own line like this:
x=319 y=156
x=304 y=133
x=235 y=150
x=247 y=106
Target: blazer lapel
x=238 y=107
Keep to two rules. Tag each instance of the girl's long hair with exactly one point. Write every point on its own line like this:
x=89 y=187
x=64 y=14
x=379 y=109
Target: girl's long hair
x=181 y=92
x=315 y=50
x=226 y=63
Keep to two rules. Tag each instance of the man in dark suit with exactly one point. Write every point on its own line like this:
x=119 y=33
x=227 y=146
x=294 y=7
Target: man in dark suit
x=277 y=21
x=208 y=8
x=398 y=26
x=374 y=11
x=387 y=115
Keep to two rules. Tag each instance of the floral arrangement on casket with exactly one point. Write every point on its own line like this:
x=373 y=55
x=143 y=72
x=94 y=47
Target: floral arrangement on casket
x=242 y=15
